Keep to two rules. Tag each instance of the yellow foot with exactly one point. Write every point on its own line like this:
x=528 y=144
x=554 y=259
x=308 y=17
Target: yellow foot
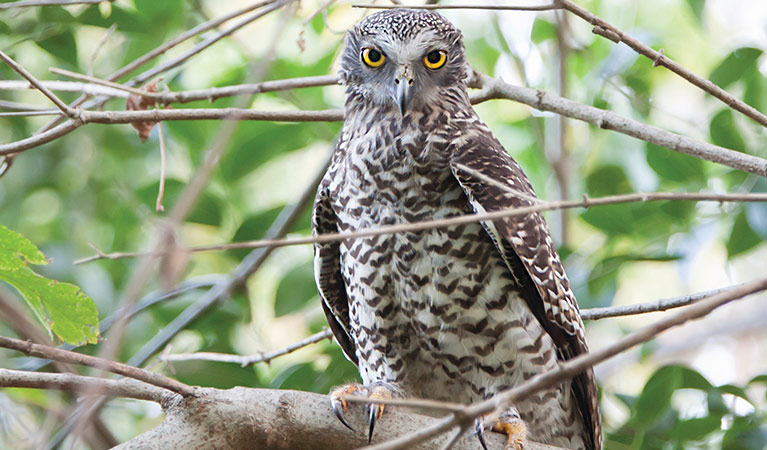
x=509 y=424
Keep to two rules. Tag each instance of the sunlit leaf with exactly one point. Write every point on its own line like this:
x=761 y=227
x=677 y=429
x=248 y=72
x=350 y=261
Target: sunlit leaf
x=725 y=133
x=295 y=290
x=734 y=65
x=61 y=307
x=742 y=237
x=542 y=30
x=655 y=398
x=675 y=166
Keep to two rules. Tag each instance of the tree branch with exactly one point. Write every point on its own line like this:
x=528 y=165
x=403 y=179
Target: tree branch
x=658 y=58
x=57 y=354
x=36 y=83
x=248 y=360
x=571 y=368
x=283 y=420
x=456 y=220
x=31 y=3
x=80 y=384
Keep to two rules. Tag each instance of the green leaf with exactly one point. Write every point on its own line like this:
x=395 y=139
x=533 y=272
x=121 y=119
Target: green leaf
x=696 y=428
x=60 y=44
x=61 y=307
x=697 y=8
x=295 y=290
x=542 y=30
x=206 y=211
x=254 y=227
x=607 y=180
x=734 y=65
x=725 y=133
x=655 y=399
x=742 y=237
x=675 y=166
x=746 y=433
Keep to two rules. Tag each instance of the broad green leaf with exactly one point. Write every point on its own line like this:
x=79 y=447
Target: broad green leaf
x=734 y=66
x=756 y=213
x=756 y=89
x=61 y=307
x=655 y=398
x=254 y=227
x=607 y=180
x=696 y=428
x=725 y=133
x=295 y=290
x=542 y=30
x=299 y=376
x=675 y=166
x=742 y=237
x=60 y=44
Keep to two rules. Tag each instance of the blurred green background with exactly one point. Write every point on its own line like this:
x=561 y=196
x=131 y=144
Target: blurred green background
x=99 y=185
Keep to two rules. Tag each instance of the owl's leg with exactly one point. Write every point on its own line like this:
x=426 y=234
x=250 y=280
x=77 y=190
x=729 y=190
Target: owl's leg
x=377 y=391
x=508 y=423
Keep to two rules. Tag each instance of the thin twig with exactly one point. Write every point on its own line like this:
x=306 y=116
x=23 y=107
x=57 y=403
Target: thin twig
x=658 y=58
x=79 y=384
x=575 y=366
x=248 y=360
x=548 y=7
x=99 y=46
x=456 y=220
x=31 y=3
x=648 y=307
x=99 y=81
x=56 y=354
x=161 y=192
x=36 y=83
x=64 y=86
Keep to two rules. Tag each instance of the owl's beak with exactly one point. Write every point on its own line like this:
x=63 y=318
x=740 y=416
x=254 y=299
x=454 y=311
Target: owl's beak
x=403 y=93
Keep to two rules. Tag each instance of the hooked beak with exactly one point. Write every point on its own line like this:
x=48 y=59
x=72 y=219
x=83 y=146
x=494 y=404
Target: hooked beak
x=403 y=93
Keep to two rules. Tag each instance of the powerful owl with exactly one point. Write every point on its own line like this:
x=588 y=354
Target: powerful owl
x=457 y=313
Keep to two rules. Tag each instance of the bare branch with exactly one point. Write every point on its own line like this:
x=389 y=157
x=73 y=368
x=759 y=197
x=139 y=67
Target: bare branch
x=80 y=384
x=548 y=7
x=545 y=101
x=283 y=420
x=56 y=354
x=36 y=83
x=648 y=307
x=457 y=220
x=574 y=366
x=64 y=86
x=248 y=360
x=658 y=58
x=31 y=3
x=99 y=81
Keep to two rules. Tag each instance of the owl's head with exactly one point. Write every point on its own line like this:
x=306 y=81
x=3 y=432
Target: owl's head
x=403 y=57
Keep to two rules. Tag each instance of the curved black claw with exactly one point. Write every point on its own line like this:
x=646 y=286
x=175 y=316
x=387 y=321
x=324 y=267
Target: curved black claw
x=375 y=412
x=339 y=412
x=479 y=430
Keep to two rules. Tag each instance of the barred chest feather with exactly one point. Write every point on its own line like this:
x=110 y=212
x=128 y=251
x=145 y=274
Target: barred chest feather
x=436 y=311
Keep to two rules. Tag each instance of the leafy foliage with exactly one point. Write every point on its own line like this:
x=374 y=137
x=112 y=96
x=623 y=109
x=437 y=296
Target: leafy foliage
x=100 y=184
x=61 y=307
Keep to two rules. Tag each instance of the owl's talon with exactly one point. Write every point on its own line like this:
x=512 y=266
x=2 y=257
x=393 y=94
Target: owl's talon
x=479 y=430
x=375 y=412
x=339 y=405
x=338 y=409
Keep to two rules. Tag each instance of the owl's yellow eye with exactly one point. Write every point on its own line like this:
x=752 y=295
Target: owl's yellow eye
x=373 y=57
x=435 y=60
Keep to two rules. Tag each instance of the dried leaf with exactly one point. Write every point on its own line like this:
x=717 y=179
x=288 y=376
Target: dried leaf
x=140 y=103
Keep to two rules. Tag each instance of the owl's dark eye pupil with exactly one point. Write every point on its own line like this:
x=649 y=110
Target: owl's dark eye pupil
x=374 y=55
x=434 y=57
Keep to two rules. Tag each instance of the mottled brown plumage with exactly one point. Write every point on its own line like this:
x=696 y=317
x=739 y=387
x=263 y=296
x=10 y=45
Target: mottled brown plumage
x=458 y=313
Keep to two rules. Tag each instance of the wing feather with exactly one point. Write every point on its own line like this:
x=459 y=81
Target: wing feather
x=530 y=253
x=327 y=273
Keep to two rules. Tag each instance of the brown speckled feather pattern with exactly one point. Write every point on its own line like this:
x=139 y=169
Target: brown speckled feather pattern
x=457 y=313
